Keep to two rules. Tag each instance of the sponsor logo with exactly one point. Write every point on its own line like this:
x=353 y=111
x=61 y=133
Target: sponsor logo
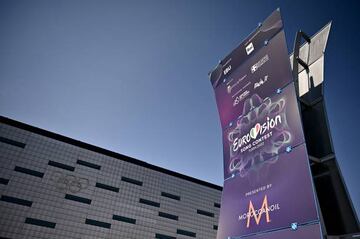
x=249 y=48
x=258 y=213
x=258 y=64
x=230 y=87
x=240 y=97
x=261 y=82
x=258 y=129
x=227 y=69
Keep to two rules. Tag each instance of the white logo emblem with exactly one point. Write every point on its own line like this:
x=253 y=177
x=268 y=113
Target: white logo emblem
x=249 y=48
x=261 y=82
x=258 y=64
x=227 y=69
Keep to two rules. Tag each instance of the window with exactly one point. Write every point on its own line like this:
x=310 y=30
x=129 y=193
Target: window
x=28 y=171
x=185 y=233
x=169 y=195
x=148 y=202
x=133 y=181
x=162 y=236
x=205 y=213
x=60 y=165
x=87 y=164
x=107 y=187
x=77 y=199
x=41 y=223
x=216 y=204
x=215 y=227
x=12 y=142
x=169 y=216
x=4 y=181
x=124 y=219
x=97 y=223
x=15 y=200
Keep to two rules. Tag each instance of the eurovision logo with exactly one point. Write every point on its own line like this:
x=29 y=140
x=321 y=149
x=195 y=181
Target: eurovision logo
x=258 y=136
x=258 y=129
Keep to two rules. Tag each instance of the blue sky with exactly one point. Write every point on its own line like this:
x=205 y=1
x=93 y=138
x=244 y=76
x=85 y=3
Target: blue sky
x=131 y=76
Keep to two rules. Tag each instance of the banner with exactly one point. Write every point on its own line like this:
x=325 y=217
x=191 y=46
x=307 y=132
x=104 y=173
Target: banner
x=263 y=133
x=246 y=76
x=269 y=28
x=271 y=196
x=268 y=186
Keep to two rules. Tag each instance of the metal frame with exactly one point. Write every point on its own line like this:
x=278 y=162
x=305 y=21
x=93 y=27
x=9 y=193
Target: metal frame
x=337 y=215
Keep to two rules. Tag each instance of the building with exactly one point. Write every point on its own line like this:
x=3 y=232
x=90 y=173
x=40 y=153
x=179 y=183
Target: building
x=52 y=186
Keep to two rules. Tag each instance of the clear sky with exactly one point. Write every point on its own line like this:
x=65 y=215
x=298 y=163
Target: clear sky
x=131 y=76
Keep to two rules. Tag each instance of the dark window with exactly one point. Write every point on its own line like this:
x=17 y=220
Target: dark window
x=217 y=205
x=124 y=219
x=29 y=171
x=78 y=199
x=169 y=195
x=60 y=165
x=215 y=227
x=107 y=187
x=169 y=216
x=87 y=164
x=38 y=222
x=19 y=201
x=12 y=142
x=148 y=202
x=185 y=233
x=162 y=236
x=97 y=223
x=133 y=181
x=205 y=213
x=4 y=181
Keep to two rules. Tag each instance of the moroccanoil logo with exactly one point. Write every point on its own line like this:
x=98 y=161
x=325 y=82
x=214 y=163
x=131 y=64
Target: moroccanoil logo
x=257 y=214
x=258 y=129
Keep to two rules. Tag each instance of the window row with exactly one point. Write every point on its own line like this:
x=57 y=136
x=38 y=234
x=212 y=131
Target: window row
x=92 y=222
x=109 y=188
x=37 y=222
x=178 y=231
x=71 y=197
x=12 y=142
x=68 y=168
x=71 y=168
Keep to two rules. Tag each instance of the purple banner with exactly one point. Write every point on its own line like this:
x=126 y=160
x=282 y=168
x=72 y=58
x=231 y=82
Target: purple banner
x=263 y=133
x=268 y=185
x=270 y=197
x=269 y=28
x=255 y=76
x=265 y=72
x=303 y=232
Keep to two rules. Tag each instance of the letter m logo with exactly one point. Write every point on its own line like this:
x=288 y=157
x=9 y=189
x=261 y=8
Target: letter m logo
x=257 y=216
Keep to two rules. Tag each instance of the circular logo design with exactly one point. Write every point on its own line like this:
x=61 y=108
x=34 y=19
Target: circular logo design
x=69 y=183
x=260 y=119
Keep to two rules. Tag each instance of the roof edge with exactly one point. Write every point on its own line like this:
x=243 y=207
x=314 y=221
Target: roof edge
x=106 y=152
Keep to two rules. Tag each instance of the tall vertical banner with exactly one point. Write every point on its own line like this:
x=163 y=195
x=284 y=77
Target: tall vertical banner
x=268 y=189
